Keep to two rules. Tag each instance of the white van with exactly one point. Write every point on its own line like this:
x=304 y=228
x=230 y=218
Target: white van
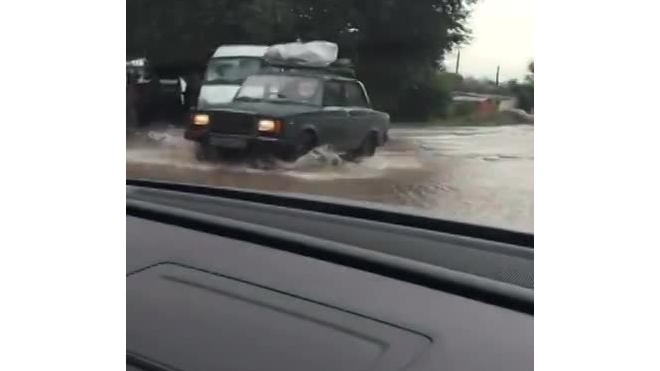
x=229 y=66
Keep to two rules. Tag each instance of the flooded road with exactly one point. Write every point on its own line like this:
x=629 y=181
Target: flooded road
x=476 y=174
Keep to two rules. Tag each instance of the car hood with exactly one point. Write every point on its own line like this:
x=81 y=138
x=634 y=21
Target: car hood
x=266 y=108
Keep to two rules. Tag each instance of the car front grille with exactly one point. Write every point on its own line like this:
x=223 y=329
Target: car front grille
x=228 y=122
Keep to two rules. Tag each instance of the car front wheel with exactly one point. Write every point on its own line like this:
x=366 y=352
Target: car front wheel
x=205 y=153
x=303 y=144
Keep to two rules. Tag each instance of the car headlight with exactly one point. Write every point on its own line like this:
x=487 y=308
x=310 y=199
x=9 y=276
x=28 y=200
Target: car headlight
x=201 y=119
x=270 y=126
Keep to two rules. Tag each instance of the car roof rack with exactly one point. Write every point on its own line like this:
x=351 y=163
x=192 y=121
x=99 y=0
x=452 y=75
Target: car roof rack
x=341 y=67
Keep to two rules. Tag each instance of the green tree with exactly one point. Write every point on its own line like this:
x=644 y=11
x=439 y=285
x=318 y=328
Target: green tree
x=397 y=45
x=524 y=91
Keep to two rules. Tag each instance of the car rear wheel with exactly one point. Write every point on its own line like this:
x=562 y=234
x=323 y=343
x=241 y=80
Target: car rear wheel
x=369 y=145
x=366 y=149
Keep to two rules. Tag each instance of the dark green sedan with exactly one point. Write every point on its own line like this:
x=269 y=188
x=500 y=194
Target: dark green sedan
x=287 y=114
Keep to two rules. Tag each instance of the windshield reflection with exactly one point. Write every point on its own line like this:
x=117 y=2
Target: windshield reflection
x=278 y=88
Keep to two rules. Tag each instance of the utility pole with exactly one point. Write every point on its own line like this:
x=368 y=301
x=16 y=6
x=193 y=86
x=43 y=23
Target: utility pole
x=458 y=60
x=497 y=77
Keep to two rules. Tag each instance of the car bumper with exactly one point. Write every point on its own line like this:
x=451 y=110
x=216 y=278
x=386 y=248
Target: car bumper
x=249 y=143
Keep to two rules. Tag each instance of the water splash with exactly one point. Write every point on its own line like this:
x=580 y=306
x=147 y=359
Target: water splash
x=321 y=164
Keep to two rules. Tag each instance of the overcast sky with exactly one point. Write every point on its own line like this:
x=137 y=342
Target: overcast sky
x=503 y=34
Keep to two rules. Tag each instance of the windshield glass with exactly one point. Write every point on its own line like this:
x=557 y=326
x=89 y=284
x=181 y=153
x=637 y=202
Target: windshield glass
x=231 y=70
x=294 y=89
x=424 y=106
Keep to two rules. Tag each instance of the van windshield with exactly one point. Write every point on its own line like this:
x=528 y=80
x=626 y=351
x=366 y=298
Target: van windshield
x=231 y=70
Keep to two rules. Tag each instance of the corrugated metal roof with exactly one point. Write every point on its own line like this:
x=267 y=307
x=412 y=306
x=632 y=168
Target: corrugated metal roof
x=469 y=94
x=464 y=98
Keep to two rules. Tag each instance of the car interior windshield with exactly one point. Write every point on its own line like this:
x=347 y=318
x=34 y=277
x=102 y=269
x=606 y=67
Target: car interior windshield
x=276 y=88
x=231 y=70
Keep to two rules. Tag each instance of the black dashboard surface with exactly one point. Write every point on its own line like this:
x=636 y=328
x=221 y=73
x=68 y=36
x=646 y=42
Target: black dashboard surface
x=498 y=261
x=201 y=301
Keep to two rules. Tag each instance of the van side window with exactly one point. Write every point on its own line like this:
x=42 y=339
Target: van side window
x=332 y=94
x=355 y=95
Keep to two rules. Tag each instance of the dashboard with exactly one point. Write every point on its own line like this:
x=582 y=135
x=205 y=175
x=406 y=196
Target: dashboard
x=234 y=280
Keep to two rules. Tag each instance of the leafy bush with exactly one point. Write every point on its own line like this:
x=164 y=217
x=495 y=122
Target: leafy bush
x=423 y=100
x=525 y=95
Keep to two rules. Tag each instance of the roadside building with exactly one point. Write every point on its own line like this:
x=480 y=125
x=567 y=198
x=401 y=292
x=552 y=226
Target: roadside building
x=481 y=107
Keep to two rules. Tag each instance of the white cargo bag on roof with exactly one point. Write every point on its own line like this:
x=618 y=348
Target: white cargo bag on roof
x=140 y=62
x=313 y=53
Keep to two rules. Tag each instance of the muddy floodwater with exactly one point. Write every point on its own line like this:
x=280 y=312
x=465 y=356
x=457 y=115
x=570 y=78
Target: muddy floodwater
x=476 y=174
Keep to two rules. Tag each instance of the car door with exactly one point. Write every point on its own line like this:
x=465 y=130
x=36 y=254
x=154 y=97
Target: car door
x=361 y=116
x=331 y=126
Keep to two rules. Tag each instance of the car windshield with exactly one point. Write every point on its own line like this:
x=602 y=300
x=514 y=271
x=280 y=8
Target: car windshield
x=279 y=88
x=231 y=70
x=422 y=106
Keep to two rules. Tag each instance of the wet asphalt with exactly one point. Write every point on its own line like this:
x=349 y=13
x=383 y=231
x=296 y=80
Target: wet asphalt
x=481 y=174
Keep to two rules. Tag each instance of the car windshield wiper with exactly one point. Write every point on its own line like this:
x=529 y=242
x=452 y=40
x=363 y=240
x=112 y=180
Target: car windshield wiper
x=284 y=100
x=222 y=80
x=248 y=99
x=216 y=81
